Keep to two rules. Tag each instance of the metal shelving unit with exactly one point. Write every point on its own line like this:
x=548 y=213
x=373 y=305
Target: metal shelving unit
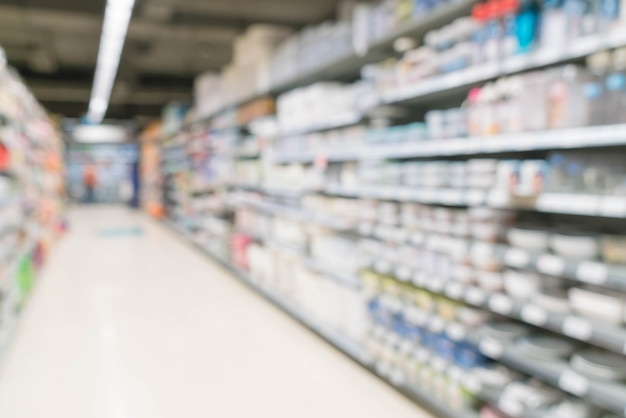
x=441 y=86
x=584 y=137
x=611 y=396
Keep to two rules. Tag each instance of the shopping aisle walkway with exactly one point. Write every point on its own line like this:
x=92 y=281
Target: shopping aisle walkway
x=143 y=326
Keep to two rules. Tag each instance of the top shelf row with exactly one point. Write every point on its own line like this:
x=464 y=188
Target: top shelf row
x=349 y=65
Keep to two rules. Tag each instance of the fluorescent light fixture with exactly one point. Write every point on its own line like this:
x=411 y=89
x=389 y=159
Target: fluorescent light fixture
x=116 y=19
x=100 y=134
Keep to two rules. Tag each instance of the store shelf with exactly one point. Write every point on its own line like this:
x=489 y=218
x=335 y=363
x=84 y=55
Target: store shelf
x=298 y=214
x=349 y=66
x=319 y=267
x=341 y=121
x=287 y=193
x=575 y=138
x=351 y=349
x=582 y=271
x=610 y=396
x=593 y=332
x=441 y=85
x=563 y=203
x=495 y=398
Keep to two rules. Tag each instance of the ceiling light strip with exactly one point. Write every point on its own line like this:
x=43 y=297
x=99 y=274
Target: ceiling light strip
x=116 y=19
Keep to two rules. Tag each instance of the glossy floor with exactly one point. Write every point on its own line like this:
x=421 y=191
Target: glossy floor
x=127 y=321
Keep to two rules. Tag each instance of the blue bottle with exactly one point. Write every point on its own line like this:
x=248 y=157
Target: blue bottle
x=526 y=24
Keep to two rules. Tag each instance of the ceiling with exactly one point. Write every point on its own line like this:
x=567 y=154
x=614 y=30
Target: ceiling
x=54 y=45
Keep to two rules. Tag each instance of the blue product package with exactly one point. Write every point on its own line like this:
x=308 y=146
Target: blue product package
x=445 y=347
x=510 y=40
x=526 y=25
x=398 y=323
x=609 y=11
x=416 y=333
x=468 y=356
x=429 y=339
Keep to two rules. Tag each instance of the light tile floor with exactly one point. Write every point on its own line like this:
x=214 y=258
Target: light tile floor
x=146 y=327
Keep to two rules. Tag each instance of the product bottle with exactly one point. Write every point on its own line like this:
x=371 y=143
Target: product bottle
x=510 y=43
x=526 y=25
x=568 y=107
x=616 y=89
x=502 y=104
x=609 y=14
x=553 y=25
x=576 y=12
x=534 y=101
x=488 y=98
x=474 y=115
x=594 y=89
x=479 y=14
x=495 y=31
x=516 y=113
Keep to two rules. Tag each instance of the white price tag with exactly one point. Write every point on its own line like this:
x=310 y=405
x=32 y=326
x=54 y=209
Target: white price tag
x=515 y=257
x=551 y=264
x=454 y=290
x=403 y=273
x=475 y=296
x=534 y=315
x=578 y=328
x=592 y=272
x=491 y=348
x=456 y=331
x=574 y=383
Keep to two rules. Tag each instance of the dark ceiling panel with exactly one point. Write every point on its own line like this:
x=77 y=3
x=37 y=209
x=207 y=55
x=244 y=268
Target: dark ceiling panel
x=241 y=23
x=85 y=6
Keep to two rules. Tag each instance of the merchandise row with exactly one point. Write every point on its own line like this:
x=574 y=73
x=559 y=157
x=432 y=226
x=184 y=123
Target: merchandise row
x=31 y=194
x=270 y=58
x=577 y=255
x=350 y=145
x=416 y=338
x=553 y=99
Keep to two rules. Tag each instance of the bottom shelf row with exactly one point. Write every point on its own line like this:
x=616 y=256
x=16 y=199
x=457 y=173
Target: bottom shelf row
x=456 y=368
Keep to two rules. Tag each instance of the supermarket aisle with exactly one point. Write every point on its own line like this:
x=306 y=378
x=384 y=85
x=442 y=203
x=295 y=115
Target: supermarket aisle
x=133 y=323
